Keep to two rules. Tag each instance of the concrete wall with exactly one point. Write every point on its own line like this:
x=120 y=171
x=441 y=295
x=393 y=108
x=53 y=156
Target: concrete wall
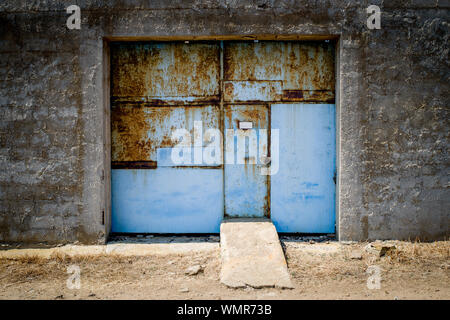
x=393 y=107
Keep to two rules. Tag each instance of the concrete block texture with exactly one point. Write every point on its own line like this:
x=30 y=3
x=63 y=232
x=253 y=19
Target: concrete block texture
x=392 y=107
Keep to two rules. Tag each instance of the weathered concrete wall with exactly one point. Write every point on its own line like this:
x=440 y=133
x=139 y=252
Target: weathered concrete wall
x=393 y=107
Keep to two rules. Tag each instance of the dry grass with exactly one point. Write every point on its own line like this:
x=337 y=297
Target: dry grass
x=412 y=270
x=30 y=267
x=404 y=258
x=68 y=259
x=417 y=252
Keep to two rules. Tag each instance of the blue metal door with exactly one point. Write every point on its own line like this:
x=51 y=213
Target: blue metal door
x=303 y=190
x=246 y=189
x=207 y=129
x=165 y=95
x=295 y=82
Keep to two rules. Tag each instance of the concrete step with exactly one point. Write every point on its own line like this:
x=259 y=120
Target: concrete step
x=252 y=254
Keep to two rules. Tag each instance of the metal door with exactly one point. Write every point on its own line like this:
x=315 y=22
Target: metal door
x=246 y=190
x=294 y=81
x=303 y=190
x=274 y=156
x=158 y=88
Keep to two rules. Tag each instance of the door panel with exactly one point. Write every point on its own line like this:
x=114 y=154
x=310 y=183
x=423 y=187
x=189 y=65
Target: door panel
x=246 y=189
x=165 y=72
x=244 y=91
x=293 y=71
x=138 y=132
x=303 y=190
x=167 y=200
x=158 y=88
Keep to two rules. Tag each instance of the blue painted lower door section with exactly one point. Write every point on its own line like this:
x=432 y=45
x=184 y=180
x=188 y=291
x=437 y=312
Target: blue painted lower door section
x=303 y=190
x=167 y=200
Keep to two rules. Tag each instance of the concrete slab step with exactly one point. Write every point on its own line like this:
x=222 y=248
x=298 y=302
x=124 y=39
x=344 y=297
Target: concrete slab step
x=252 y=255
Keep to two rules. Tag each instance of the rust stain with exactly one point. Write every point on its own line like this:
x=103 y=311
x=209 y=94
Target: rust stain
x=267 y=201
x=134 y=165
x=137 y=131
x=129 y=128
x=229 y=114
x=229 y=88
x=251 y=113
x=308 y=96
x=300 y=65
x=295 y=95
x=146 y=101
x=199 y=167
x=158 y=72
x=166 y=142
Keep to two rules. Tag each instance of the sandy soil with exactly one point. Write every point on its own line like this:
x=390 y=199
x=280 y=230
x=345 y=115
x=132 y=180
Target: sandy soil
x=319 y=271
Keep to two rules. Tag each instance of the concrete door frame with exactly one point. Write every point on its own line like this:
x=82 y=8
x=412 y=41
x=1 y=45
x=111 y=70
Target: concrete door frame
x=106 y=83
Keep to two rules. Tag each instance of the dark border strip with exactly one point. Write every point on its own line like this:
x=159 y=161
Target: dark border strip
x=134 y=165
x=154 y=165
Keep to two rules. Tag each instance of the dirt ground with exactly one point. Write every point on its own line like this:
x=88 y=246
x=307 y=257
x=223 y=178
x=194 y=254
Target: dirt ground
x=319 y=271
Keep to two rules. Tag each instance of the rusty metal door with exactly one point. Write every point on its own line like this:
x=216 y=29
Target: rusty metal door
x=159 y=89
x=246 y=189
x=266 y=108
x=288 y=89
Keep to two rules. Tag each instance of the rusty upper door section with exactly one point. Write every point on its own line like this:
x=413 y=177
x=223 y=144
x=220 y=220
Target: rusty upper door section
x=170 y=73
x=276 y=71
x=241 y=89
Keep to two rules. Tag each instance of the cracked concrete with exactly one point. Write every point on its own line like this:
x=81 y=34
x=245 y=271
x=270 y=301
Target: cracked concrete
x=252 y=255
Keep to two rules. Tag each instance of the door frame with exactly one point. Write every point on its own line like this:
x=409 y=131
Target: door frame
x=106 y=86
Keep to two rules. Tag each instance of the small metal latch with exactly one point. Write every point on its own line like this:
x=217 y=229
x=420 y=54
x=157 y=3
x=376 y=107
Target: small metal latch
x=265 y=160
x=245 y=125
